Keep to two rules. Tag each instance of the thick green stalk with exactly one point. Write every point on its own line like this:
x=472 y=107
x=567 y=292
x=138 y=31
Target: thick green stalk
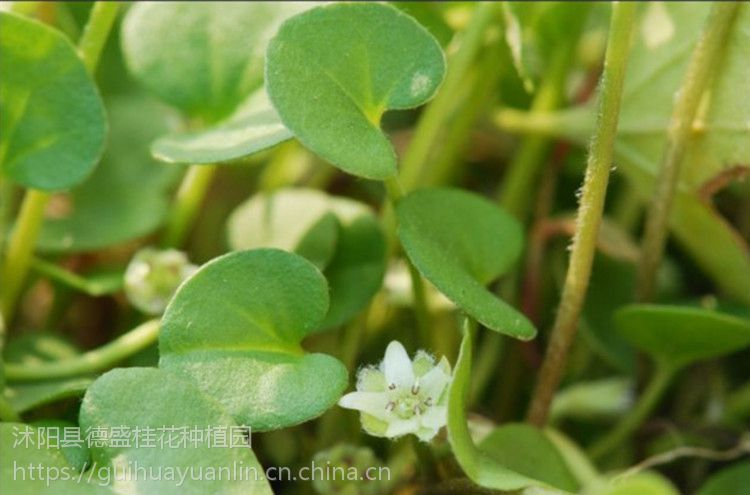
x=589 y=211
x=24 y=236
x=438 y=112
x=703 y=62
x=395 y=192
x=20 y=248
x=95 y=33
x=94 y=361
x=190 y=195
x=630 y=422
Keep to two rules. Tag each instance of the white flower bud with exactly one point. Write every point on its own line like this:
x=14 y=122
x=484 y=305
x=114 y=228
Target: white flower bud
x=152 y=277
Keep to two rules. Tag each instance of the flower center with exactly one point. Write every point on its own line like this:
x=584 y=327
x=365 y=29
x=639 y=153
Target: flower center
x=407 y=403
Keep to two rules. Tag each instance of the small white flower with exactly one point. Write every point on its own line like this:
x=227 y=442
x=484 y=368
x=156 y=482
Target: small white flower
x=152 y=277
x=402 y=396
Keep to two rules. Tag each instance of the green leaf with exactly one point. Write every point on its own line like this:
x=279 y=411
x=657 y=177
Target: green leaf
x=26 y=396
x=340 y=236
x=296 y=220
x=478 y=465
x=50 y=460
x=644 y=483
x=461 y=242
x=164 y=400
x=254 y=127
x=203 y=58
x=679 y=335
x=356 y=271
x=235 y=329
x=527 y=450
x=126 y=197
x=52 y=119
x=732 y=480
x=332 y=72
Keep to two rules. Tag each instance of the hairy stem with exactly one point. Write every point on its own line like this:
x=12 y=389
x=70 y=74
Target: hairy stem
x=94 y=361
x=630 y=422
x=589 y=212
x=190 y=195
x=702 y=65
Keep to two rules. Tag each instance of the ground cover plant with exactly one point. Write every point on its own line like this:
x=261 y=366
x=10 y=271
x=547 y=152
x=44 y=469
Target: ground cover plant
x=371 y=248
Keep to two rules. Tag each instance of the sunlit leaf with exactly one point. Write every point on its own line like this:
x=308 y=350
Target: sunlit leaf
x=235 y=327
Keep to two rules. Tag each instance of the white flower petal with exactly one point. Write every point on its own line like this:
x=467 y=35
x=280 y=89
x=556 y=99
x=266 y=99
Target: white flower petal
x=435 y=417
x=433 y=383
x=373 y=403
x=397 y=366
x=400 y=427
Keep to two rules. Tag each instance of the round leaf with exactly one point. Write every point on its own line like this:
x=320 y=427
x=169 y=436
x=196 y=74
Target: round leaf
x=254 y=127
x=204 y=58
x=460 y=242
x=235 y=329
x=340 y=236
x=679 y=335
x=52 y=119
x=332 y=72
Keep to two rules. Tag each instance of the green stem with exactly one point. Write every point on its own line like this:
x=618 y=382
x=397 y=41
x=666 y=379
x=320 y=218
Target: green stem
x=189 y=197
x=68 y=278
x=515 y=193
x=96 y=32
x=571 y=124
x=395 y=192
x=7 y=413
x=701 y=68
x=94 y=361
x=589 y=212
x=439 y=111
x=26 y=231
x=630 y=422
x=20 y=248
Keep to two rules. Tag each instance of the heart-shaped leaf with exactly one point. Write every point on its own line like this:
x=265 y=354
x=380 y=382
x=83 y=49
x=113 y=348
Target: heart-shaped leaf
x=332 y=72
x=203 y=58
x=235 y=329
x=254 y=127
x=478 y=465
x=680 y=335
x=461 y=242
x=107 y=209
x=53 y=121
x=338 y=235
